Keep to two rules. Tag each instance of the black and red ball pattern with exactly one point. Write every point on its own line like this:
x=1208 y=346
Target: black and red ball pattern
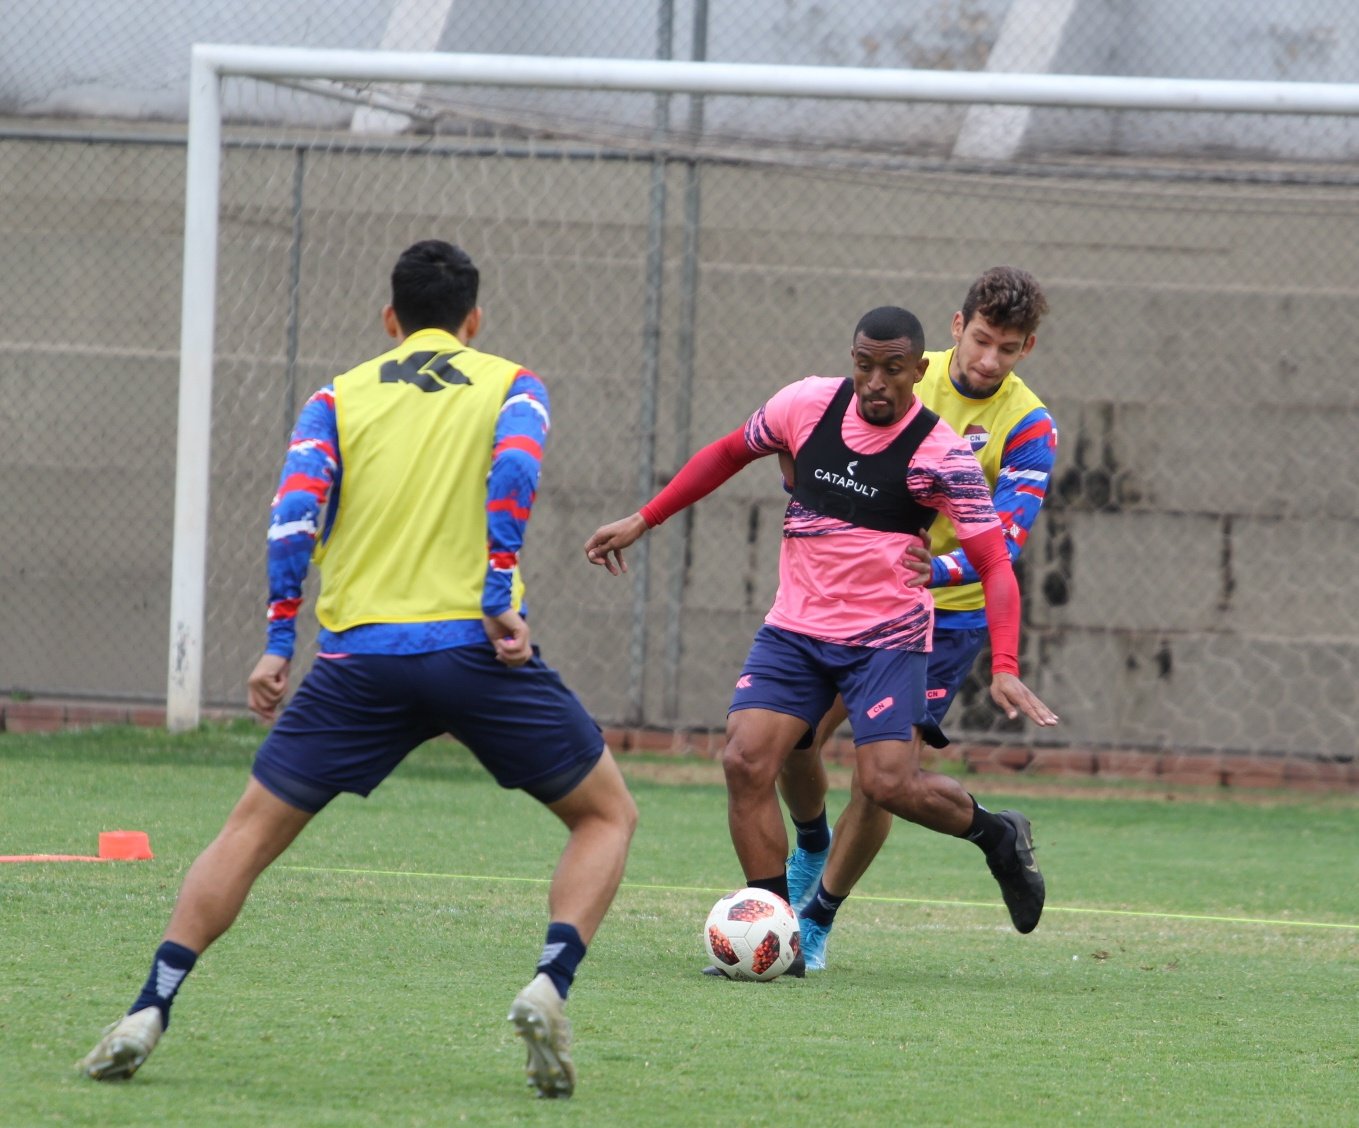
x=750 y=910
x=722 y=949
x=766 y=954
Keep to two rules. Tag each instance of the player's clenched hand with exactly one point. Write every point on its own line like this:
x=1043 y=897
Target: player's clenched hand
x=606 y=544
x=267 y=684
x=1015 y=697
x=509 y=634
x=916 y=561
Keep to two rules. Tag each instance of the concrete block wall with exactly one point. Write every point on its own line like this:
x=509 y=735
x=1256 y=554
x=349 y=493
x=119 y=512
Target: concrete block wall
x=1204 y=468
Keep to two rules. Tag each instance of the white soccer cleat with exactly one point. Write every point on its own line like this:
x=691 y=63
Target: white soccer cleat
x=124 y=1046
x=539 y=1017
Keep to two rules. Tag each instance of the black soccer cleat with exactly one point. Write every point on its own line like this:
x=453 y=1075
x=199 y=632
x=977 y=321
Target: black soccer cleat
x=1017 y=874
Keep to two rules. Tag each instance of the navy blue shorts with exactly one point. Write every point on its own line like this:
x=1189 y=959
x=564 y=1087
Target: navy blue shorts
x=786 y=672
x=355 y=717
x=951 y=660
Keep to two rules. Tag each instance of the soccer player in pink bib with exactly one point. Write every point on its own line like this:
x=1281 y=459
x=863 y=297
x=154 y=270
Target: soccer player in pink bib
x=872 y=467
x=973 y=386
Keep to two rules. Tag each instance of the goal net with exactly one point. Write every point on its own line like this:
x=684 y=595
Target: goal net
x=667 y=244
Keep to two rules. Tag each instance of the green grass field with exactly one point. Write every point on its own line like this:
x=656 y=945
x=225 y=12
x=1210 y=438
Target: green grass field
x=1198 y=963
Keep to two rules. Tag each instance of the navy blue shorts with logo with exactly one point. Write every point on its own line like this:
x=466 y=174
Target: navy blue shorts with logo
x=355 y=717
x=951 y=661
x=787 y=672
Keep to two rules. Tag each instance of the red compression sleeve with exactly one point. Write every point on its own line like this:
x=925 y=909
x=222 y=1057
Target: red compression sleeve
x=987 y=553
x=698 y=477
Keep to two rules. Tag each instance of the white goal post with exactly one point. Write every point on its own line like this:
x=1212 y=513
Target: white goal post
x=210 y=64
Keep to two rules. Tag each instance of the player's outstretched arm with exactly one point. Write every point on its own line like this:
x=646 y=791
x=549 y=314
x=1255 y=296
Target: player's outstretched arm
x=606 y=544
x=703 y=473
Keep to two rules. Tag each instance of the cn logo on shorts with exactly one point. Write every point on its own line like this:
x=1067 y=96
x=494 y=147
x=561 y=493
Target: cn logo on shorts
x=883 y=705
x=744 y=681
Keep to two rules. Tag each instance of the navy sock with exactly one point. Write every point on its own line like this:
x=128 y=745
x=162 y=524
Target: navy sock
x=814 y=834
x=562 y=953
x=777 y=884
x=987 y=830
x=823 y=906
x=172 y=963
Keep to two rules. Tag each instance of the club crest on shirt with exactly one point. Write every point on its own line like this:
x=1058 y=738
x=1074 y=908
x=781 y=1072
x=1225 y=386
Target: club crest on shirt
x=977 y=436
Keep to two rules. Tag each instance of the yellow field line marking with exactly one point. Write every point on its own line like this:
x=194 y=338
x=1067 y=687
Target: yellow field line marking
x=858 y=897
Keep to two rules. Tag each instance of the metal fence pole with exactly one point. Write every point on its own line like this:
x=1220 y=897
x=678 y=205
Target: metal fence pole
x=681 y=537
x=651 y=371
x=294 y=295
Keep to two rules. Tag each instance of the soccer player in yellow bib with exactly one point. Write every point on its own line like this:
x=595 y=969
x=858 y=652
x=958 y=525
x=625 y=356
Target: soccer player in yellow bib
x=974 y=388
x=409 y=480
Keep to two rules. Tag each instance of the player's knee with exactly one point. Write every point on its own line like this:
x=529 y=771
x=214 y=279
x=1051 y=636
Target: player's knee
x=615 y=806
x=885 y=785
x=874 y=786
x=747 y=767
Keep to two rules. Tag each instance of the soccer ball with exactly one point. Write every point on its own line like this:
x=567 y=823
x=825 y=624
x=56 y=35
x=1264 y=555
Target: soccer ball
x=752 y=934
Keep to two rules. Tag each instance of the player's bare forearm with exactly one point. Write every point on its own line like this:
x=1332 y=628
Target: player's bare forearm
x=1013 y=696
x=606 y=544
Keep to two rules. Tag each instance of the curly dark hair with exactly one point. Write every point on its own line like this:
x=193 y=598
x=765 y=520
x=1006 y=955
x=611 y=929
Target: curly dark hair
x=1009 y=298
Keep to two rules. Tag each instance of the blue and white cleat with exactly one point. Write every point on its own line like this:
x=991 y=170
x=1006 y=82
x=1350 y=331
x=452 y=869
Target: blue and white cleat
x=804 y=871
x=814 y=936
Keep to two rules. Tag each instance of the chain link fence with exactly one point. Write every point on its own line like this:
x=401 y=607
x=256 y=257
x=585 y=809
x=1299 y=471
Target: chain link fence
x=69 y=57
x=665 y=265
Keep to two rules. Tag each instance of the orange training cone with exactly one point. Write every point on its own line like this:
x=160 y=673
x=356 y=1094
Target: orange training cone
x=125 y=845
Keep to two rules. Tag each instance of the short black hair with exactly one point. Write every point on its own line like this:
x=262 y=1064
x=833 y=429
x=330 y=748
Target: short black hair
x=434 y=286
x=889 y=323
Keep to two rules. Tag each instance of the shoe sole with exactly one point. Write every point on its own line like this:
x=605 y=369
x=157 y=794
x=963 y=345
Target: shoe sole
x=119 y=1063
x=546 y=1070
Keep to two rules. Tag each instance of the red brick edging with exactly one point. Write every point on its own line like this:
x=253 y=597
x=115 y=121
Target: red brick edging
x=1204 y=769
x=52 y=714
